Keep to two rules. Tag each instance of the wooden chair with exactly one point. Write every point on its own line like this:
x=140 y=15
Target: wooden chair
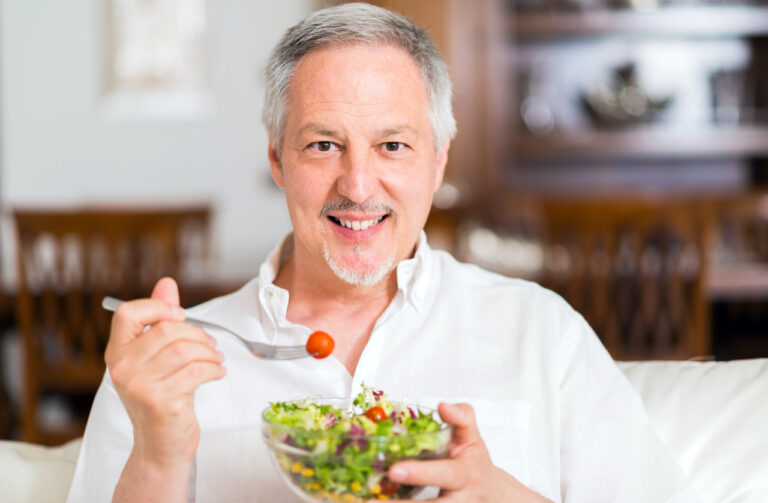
x=737 y=282
x=634 y=268
x=740 y=228
x=68 y=260
x=6 y=323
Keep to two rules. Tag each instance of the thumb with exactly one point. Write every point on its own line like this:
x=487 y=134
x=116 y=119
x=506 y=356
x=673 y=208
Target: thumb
x=166 y=289
x=462 y=417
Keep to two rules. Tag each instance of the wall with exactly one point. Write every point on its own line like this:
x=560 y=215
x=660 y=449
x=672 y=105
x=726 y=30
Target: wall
x=61 y=146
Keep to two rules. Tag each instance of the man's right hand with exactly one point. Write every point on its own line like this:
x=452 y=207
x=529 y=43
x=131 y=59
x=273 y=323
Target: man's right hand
x=156 y=371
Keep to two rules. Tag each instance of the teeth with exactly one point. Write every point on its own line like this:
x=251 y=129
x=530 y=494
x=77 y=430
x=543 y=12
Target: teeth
x=360 y=225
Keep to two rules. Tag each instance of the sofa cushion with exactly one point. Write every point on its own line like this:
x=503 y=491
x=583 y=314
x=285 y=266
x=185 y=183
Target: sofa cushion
x=713 y=416
x=36 y=474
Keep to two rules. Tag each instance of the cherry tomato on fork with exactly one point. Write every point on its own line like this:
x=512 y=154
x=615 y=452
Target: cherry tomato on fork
x=320 y=344
x=375 y=414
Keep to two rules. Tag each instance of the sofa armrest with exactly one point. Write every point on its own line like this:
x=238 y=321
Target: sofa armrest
x=35 y=474
x=713 y=417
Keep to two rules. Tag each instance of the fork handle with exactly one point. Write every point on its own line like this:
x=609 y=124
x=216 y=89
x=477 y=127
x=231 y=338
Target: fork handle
x=111 y=304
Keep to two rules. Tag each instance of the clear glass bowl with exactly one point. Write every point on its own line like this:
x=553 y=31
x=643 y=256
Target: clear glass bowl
x=333 y=466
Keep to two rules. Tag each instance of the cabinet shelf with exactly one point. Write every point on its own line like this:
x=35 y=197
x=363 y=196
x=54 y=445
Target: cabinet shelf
x=743 y=141
x=705 y=21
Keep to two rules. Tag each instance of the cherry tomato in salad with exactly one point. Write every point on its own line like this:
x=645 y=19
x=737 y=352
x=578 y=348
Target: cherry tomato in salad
x=320 y=344
x=387 y=486
x=375 y=414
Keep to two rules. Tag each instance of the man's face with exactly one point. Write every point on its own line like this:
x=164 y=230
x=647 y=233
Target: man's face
x=358 y=161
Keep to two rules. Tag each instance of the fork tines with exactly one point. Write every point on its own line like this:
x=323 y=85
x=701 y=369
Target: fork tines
x=289 y=352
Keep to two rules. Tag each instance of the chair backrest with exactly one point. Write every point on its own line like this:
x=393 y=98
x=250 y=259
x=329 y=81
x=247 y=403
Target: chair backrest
x=68 y=260
x=634 y=268
x=740 y=233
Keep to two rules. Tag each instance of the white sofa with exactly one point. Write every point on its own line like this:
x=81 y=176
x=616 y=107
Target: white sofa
x=714 y=416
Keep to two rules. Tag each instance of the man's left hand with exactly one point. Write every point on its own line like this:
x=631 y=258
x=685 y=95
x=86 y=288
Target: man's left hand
x=468 y=475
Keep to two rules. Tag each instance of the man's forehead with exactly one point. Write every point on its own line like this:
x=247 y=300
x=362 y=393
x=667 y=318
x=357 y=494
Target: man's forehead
x=358 y=74
x=379 y=85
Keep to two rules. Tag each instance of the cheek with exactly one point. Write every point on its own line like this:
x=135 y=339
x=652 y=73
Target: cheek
x=417 y=190
x=303 y=190
x=414 y=203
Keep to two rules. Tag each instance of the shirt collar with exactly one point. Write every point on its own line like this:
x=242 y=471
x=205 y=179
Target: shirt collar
x=411 y=273
x=272 y=298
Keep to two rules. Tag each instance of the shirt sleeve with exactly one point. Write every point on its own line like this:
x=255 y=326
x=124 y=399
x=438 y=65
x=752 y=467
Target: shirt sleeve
x=107 y=443
x=609 y=449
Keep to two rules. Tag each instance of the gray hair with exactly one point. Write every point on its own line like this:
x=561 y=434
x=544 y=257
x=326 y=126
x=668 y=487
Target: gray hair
x=357 y=23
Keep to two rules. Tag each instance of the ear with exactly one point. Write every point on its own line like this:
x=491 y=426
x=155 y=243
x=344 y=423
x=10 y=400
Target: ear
x=440 y=162
x=274 y=164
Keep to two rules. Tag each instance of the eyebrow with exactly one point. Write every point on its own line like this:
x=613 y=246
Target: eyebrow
x=322 y=130
x=318 y=129
x=402 y=128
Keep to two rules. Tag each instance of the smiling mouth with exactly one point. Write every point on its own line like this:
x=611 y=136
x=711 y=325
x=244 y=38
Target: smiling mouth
x=357 y=225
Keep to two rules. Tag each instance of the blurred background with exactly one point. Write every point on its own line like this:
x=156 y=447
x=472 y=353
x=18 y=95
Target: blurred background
x=613 y=150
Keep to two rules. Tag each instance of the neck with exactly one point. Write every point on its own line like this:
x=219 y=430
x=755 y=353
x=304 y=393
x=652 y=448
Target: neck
x=311 y=282
x=320 y=300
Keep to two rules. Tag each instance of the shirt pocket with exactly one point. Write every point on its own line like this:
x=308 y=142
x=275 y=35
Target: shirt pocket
x=505 y=429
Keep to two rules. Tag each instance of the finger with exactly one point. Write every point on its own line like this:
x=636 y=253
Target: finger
x=450 y=474
x=163 y=334
x=179 y=354
x=462 y=417
x=166 y=289
x=131 y=317
x=188 y=378
x=130 y=360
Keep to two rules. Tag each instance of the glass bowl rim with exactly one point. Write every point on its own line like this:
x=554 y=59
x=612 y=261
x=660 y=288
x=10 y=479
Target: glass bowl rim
x=444 y=427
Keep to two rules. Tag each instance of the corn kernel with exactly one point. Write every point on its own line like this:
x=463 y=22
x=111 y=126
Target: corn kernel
x=313 y=486
x=296 y=467
x=355 y=486
x=376 y=489
x=383 y=497
x=349 y=498
x=308 y=472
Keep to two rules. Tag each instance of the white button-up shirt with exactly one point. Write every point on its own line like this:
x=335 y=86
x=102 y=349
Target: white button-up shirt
x=552 y=407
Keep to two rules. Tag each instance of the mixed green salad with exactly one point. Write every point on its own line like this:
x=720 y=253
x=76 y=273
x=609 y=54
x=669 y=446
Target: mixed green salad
x=338 y=451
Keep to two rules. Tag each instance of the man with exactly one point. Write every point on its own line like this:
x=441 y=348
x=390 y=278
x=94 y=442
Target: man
x=359 y=118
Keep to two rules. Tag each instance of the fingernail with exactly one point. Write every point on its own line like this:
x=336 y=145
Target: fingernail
x=178 y=312
x=212 y=340
x=220 y=355
x=398 y=473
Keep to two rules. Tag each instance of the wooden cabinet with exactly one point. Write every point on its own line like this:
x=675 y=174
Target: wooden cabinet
x=670 y=99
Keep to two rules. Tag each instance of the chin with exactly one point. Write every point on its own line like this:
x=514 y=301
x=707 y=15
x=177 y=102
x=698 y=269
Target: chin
x=359 y=275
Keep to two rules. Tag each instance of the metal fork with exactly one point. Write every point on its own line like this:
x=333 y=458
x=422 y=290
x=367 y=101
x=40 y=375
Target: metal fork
x=259 y=349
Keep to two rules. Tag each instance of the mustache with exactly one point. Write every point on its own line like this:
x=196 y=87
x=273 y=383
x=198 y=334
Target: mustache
x=348 y=205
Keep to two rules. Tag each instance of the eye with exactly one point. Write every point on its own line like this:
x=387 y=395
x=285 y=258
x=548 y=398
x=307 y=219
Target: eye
x=322 y=146
x=393 y=146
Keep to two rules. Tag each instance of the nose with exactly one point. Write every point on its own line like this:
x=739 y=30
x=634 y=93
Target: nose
x=358 y=180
